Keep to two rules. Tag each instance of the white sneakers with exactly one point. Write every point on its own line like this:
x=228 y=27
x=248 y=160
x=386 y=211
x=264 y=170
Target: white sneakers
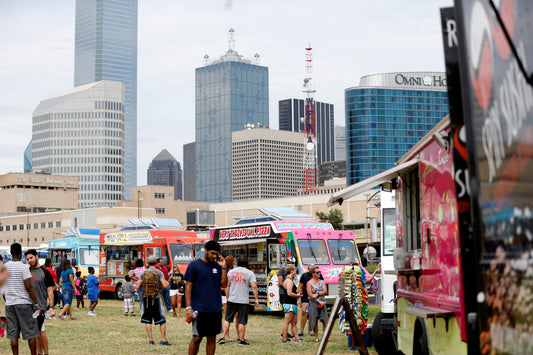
x=91 y=313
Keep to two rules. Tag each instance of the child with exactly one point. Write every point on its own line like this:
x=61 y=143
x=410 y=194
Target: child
x=77 y=292
x=128 y=291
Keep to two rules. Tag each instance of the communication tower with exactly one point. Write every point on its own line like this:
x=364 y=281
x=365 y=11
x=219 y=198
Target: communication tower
x=310 y=178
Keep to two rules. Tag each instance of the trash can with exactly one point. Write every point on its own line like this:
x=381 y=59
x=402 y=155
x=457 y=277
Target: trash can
x=367 y=338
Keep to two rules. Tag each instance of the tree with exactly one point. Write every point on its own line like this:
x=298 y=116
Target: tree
x=334 y=216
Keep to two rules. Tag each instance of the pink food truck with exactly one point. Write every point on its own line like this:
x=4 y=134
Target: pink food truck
x=268 y=244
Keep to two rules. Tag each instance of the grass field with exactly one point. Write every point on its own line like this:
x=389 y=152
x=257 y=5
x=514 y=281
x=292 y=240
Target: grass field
x=113 y=333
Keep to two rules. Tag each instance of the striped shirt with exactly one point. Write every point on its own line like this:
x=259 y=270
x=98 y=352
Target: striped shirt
x=15 y=291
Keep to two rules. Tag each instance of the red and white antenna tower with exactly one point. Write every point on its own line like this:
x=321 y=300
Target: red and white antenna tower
x=310 y=178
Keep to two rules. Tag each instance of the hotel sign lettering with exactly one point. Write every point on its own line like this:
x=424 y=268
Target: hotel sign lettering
x=434 y=81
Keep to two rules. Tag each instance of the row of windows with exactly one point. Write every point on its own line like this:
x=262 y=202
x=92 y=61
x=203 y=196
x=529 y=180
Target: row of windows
x=159 y=195
x=100 y=187
x=100 y=196
x=75 y=115
x=45 y=164
x=79 y=124
x=7 y=241
x=396 y=92
x=78 y=133
x=159 y=210
x=77 y=142
x=20 y=227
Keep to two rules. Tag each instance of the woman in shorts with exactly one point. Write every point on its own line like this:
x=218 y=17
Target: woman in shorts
x=67 y=289
x=177 y=287
x=290 y=305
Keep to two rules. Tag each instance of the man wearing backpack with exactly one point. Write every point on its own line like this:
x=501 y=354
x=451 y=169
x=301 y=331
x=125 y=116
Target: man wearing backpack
x=152 y=282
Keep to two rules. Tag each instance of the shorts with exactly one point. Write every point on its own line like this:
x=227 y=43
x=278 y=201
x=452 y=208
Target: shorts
x=79 y=298
x=290 y=308
x=207 y=323
x=40 y=322
x=224 y=300
x=19 y=320
x=241 y=308
x=152 y=310
x=92 y=296
x=305 y=298
x=175 y=292
x=68 y=294
x=129 y=305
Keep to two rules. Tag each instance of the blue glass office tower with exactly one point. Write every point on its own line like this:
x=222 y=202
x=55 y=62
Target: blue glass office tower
x=106 y=49
x=231 y=92
x=386 y=115
x=290 y=113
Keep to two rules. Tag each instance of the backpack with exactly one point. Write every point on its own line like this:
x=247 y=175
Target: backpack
x=83 y=287
x=150 y=284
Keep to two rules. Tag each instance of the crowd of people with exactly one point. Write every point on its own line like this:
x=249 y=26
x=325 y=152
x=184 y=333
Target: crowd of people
x=212 y=287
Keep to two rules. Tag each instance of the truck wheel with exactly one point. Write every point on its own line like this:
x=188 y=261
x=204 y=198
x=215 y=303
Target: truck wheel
x=118 y=292
x=420 y=341
x=383 y=341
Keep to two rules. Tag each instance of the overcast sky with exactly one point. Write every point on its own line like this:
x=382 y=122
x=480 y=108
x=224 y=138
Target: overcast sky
x=350 y=39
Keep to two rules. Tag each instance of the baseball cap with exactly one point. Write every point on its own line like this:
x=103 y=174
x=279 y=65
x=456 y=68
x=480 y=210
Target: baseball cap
x=291 y=259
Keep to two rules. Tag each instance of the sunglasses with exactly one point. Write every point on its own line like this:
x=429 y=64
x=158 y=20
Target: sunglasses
x=317 y=272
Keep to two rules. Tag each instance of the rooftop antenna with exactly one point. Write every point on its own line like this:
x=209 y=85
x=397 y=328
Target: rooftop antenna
x=310 y=182
x=231 y=40
x=206 y=59
x=257 y=58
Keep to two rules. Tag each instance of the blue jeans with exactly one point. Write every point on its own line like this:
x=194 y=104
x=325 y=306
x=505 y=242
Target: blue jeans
x=68 y=294
x=166 y=295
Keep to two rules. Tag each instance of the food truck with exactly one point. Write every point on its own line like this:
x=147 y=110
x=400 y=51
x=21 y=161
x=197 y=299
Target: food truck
x=80 y=246
x=120 y=249
x=268 y=244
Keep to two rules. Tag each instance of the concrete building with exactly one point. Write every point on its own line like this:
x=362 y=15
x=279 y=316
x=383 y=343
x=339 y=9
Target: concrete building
x=386 y=115
x=80 y=132
x=266 y=163
x=189 y=171
x=166 y=170
x=231 y=91
x=106 y=49
x=292 y=110
x=340 y=143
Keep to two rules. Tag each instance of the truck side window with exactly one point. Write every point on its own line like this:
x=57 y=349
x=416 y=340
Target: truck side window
x=149 y=251
x=277 y=253
x=411 y=210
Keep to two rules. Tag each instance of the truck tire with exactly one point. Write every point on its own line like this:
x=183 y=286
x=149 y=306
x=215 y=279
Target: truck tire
x=118 y=292
x=420 y=341
x=383 y=341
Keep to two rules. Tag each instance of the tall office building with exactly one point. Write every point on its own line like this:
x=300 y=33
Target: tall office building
x=80 y=132
x=231 y=92
x=106 y=49
x=266 y=163
x=340 y=143
x=386 y=115
x=189 y=172
x=291 y=112
x=165 y=170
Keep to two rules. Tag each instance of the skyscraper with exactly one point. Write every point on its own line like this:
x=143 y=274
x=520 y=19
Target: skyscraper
x=340 y=143
x=165 y=170
x=80 y=132
x=189 y=172
x=231 y=91
x=106 y=49
x=290 y=113
x=386 y=115
x=266 y=163
x=27 y=158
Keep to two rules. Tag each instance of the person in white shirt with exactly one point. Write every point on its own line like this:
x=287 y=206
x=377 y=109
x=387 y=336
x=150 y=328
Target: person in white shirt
x=21 y=302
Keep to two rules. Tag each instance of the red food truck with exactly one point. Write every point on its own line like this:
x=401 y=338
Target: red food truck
x=120 y=249
x=464 y=198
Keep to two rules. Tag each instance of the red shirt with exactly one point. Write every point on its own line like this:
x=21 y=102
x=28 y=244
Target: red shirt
x=164 y=270
x=52 y=272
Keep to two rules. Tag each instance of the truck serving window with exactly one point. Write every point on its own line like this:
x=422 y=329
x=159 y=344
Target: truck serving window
x=277 y=254
x=343 y=251
x=389 y=231
x=181 y=253
x=411 y=210
x=313 y=251
x=89 y=256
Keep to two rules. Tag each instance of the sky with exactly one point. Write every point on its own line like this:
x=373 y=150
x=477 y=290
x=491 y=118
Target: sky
x=350 y=39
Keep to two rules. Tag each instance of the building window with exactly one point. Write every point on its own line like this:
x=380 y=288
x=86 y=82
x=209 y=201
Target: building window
x=35 y=225
x=50 y=224
x=28 y=226
x=159 y=195
x=58 y=224
x=21 y=227
x=43 y=225
x=160 y=211
x=1 y=228
x=14 y=227
x=8 y=228
x=43 y=239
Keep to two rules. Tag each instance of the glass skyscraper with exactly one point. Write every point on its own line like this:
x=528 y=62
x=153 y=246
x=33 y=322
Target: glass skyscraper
x=290 y=113
x=165 y=170
x=231 y=92
x=386 y=115
x=106 y=49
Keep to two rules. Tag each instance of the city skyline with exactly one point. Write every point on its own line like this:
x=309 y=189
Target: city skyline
x=357 y=41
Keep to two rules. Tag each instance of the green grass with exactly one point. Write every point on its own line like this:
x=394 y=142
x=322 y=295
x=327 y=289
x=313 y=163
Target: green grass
x=112 y=333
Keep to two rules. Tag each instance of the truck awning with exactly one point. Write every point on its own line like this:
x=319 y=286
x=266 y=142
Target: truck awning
x=365 y=185
x=241 y=241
